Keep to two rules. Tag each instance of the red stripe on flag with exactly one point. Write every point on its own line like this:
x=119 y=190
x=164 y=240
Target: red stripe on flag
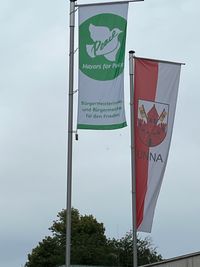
x=145 y=83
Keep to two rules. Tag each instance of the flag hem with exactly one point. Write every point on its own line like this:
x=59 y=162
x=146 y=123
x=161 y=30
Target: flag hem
x=102 y=127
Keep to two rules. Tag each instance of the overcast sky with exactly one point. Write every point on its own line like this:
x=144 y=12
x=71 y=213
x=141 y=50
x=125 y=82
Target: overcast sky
x=33 y=129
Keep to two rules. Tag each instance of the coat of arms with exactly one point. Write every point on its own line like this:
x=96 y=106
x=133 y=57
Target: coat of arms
x=152 y=122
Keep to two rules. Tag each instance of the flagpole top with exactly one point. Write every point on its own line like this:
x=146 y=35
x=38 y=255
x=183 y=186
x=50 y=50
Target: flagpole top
x=72 y=0
x=131 y=52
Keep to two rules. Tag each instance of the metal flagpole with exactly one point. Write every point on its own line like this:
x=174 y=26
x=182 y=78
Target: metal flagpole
x=70 y=133
x=131 y=73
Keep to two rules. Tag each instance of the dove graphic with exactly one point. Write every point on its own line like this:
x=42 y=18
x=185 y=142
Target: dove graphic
x=105 y=44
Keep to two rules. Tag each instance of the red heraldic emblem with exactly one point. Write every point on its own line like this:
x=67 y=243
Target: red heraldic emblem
x=152 y=122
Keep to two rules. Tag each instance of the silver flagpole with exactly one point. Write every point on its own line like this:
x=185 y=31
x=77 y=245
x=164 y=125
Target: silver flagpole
x=131 y=73
x=70 y=133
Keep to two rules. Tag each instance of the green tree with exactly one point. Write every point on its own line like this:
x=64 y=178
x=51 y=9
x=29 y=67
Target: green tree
x=89 y=245
x=145 y=251
x=47 y=253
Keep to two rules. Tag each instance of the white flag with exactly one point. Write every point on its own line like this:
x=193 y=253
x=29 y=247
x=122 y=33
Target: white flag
x=155 y=94
x=102 y=37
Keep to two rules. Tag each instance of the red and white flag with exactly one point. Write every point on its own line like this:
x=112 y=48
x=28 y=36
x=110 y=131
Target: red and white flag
x=155 y=95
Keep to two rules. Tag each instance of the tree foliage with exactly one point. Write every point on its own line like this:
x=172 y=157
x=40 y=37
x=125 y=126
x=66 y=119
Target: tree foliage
x=145 y=251
x=89 y=245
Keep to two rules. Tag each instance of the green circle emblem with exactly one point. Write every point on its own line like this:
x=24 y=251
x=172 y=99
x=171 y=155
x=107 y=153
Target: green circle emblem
x=102 y=46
